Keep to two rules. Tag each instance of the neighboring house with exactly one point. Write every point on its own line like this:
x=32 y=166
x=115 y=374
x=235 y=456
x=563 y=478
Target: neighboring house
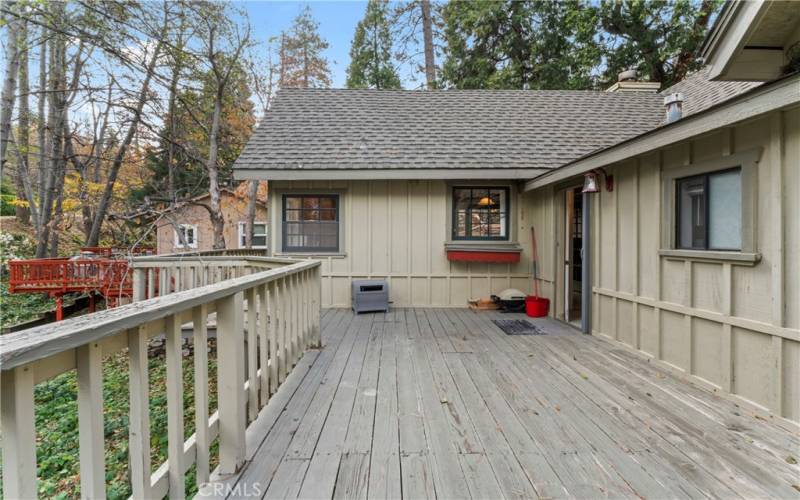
x=692 y=223
x=187 y=227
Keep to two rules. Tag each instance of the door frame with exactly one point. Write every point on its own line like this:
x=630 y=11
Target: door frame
x=563 y=286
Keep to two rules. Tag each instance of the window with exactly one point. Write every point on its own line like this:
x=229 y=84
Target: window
x=709 y=211
x=311 y=223
x=480 y=213
x=259 y=235
x=186 y=233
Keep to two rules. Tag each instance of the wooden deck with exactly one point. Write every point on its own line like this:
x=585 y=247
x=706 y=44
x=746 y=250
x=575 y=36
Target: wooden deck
x=441 y=403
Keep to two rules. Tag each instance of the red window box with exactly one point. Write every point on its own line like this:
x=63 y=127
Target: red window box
x=484 y=254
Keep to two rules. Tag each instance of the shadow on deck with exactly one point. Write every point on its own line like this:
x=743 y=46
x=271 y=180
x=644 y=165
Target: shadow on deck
x=424 y=403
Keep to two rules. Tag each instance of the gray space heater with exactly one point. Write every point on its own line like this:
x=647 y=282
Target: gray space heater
x=370 y=296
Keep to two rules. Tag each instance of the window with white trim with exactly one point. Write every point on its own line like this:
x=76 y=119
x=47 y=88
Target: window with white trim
x=186 y=233
x=259 y=235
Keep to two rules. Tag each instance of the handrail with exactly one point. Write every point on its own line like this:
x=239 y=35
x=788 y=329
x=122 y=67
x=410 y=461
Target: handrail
x=264 y=321
x=39 y=342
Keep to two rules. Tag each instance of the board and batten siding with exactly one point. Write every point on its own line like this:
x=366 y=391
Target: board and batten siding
x=396 y=230
x=731 y=326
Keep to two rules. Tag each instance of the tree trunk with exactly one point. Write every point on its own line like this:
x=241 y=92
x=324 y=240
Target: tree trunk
x=9 y=85
x=217 y=221
x=102 y=207
x=252 y=193
x=173 y=91
x=23 y=214
x=427 y=34
x=40 y=125
x=55 y=129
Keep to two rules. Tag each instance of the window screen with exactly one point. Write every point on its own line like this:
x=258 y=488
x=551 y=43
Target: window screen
x=480 y=213
x=310 y=223
x=710 y=211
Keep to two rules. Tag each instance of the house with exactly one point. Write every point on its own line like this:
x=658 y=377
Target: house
x=666 y=222
x=187 y=227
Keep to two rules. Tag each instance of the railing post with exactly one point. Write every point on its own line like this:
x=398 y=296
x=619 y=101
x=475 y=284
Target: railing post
x=19 y=433
x=200 y=328
x=139 y=284
x=89 y=361
x=175 y=406
x=139 y=421
x=230 y=382
x=252 y=358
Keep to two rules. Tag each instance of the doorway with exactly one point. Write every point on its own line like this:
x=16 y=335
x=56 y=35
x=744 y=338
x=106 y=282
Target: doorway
x=573 y=255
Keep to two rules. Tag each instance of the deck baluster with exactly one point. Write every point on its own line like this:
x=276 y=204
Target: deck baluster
x=230 y=381
x=139 y=426
x=200 y=337
x=272 y=303
x=89 y=361
x=252 y=355
x=175 y=406
x=263 y=334
x=19 y=433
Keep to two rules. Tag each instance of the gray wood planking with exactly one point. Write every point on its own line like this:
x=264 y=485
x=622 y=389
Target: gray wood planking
x=439 y=403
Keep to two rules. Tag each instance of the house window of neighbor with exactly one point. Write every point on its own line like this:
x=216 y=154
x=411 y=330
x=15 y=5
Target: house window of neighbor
x=259 y=235
x=480 y=213
x=311 y=223
x=189 y=236
x=709 y=211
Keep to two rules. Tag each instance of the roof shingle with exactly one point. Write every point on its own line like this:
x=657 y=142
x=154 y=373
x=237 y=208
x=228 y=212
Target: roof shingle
x=361 y=129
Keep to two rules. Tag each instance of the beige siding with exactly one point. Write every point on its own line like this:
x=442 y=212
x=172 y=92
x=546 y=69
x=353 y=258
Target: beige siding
x=729 y=326
x=397 y=230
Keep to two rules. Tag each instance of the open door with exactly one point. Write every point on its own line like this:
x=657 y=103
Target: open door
x=573 y=255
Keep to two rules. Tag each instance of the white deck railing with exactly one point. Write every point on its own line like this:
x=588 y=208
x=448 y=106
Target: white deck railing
x=267 y=314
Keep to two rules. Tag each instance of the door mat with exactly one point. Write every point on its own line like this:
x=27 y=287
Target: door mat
x=518 y=327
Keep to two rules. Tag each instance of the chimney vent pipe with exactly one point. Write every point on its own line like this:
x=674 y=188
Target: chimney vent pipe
x=673 y=107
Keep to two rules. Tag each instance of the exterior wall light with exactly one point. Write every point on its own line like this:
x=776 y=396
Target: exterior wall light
x=591 y=178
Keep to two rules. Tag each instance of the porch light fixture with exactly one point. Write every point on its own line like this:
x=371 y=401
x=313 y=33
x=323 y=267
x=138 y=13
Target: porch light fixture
x=591 y=181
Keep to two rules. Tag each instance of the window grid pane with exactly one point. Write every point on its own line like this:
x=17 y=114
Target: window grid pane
x=311 y=223
x=480 y=213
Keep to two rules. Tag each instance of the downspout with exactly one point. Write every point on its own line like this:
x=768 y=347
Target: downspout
x=586 y=265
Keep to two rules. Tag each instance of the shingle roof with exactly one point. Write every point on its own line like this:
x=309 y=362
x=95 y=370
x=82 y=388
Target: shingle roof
x=346 y=129
x=700 y=93
x=362 y=129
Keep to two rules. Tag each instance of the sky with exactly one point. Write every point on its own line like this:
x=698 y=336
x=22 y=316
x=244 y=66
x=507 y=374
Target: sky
x=337 y=23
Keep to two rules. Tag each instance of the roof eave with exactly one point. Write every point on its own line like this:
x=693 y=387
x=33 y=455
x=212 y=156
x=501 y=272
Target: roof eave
x=277 y=174
x=761 y=100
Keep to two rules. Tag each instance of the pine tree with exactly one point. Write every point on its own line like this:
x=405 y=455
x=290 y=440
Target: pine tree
x=536 y=44
x=301 y=59
x=371 y=64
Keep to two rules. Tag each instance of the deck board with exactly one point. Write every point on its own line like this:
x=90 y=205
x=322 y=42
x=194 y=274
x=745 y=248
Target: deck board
x=439 y=403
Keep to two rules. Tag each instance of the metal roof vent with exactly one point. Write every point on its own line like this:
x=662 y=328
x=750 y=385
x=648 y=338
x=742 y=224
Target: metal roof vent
x=673 y=106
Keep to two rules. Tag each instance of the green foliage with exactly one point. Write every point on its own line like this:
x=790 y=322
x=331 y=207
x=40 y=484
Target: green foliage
x=573 y=44
x=57 y=425
x=659 y=37
x=7 y=197
x=535 y=44
x=371 y=63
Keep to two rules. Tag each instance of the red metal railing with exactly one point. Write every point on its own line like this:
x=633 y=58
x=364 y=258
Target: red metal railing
x=112 y=278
